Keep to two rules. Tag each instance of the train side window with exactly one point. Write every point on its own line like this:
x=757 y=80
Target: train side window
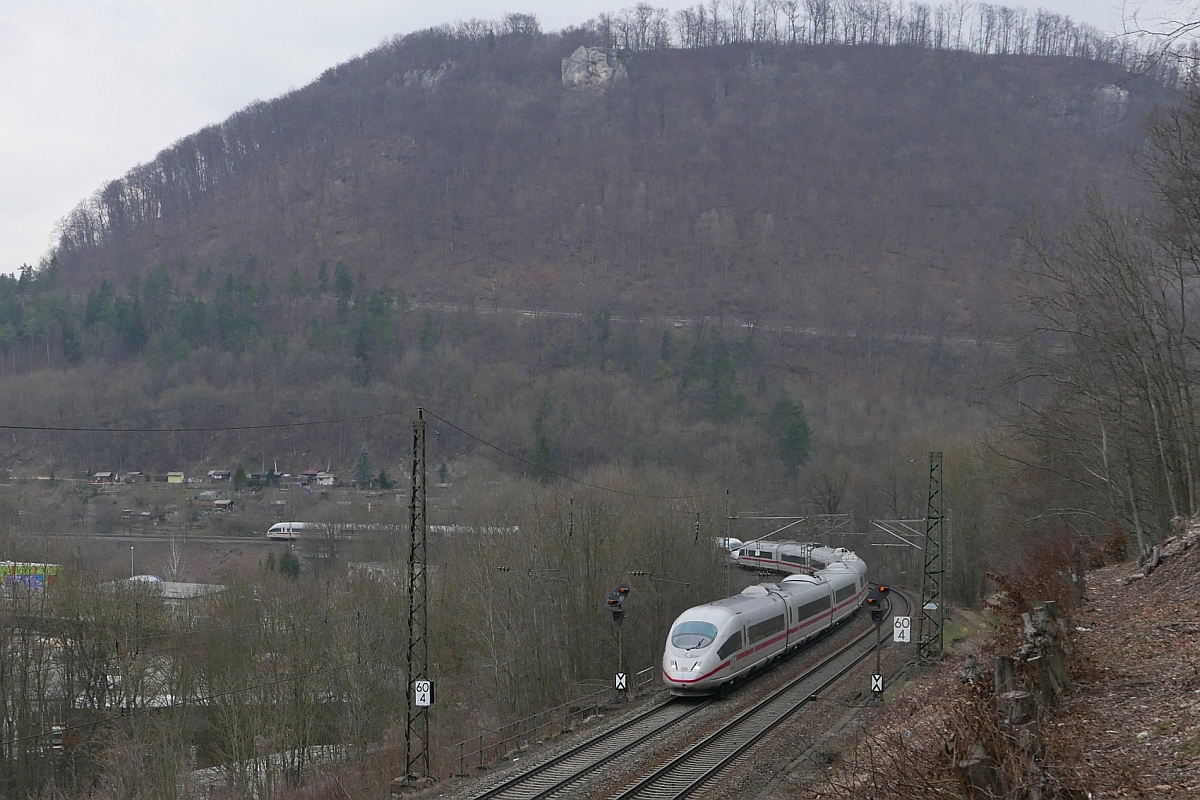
x=844 y=593
x=766 y=628
x=790 y=559
x=815 y=564
x=731 y=646
x=812 y=608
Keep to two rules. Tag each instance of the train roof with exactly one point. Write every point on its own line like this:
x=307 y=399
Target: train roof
x=802 y=578
x=814 y=548
x=749 y=598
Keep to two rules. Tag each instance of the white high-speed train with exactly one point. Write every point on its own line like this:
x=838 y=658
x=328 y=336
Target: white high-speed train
x=712 y=645
x=785 y=556
x=290 y=531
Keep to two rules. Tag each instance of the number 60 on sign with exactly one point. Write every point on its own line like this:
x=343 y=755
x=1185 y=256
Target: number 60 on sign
x=902 y=629
x=423 y=694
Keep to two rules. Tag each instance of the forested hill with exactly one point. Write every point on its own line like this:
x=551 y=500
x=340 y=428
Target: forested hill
x=331 y=253
x=861 y=187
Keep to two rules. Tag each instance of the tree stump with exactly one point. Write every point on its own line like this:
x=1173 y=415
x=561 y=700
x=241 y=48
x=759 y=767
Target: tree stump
x=1004 y=675
x=978 y=775
x=1017 y=707
x=1153 y=561
x=1078 y=574
x=1043 y=631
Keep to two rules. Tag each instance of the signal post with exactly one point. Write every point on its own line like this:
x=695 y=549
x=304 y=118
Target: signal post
x=875 y=605
x=616 y=601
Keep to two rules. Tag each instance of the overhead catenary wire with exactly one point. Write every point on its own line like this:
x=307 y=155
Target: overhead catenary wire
x=203 y=429
x=208 y=698
x=337 y=420
x=527 y=462
x=256 y=630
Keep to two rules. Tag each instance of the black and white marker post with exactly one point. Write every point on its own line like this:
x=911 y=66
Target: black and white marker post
x=616 y=600
x=878 y=612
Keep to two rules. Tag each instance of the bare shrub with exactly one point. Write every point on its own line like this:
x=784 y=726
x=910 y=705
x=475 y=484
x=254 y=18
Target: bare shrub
x=914 y=751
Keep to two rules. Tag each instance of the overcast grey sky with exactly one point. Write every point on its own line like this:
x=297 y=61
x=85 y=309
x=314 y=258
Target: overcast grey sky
x=90 y=88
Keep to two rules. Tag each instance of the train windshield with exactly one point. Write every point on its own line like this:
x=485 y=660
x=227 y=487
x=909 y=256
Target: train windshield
x=693 y=635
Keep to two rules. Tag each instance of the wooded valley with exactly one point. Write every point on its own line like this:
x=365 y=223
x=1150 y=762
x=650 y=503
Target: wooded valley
x=789 y=254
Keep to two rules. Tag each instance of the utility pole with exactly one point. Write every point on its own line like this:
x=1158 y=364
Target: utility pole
x=416 y=718
x=933 y=612
x=724 y=551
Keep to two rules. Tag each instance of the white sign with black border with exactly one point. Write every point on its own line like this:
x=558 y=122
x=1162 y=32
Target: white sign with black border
x=621 y=681
x=877 y=683
x=423 y=693
x=902 y=629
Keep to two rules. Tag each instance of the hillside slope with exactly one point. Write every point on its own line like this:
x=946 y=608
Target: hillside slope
x=1130 y=728
x=846 y=187
x=1140 y=700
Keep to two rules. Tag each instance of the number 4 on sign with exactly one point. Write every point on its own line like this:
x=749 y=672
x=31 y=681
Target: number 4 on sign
x=423 y=694
x=902 y=629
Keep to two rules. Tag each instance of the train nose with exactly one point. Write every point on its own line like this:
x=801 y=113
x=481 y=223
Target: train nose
x=681 y=670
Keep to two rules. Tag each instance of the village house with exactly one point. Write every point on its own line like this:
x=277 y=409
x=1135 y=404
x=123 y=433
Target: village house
x=174 y=477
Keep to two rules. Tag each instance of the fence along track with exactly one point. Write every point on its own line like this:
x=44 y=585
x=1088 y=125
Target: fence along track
x=702 y=762
x=569 y=767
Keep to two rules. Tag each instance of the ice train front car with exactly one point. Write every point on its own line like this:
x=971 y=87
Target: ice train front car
x=712 y=645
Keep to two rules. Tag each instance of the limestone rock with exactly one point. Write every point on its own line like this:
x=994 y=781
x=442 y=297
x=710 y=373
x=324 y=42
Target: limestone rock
x=972 y=670
x=592 y=68
x=1112 y=102
x=427 y=79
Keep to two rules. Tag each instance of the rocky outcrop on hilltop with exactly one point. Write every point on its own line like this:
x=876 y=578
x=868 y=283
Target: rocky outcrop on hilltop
x=427 y=79
x=592 y=68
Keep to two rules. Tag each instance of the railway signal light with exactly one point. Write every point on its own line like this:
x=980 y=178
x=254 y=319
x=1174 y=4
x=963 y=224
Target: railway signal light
x=875 y=603
x=615 y=600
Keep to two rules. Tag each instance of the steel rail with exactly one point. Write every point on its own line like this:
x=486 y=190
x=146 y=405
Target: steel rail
x=573 y=764
x=699 y=764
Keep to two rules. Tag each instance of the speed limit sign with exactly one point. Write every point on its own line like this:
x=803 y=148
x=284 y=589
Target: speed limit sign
x=902 y=629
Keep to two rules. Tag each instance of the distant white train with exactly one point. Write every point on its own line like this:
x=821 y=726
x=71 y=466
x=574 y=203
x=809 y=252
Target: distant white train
x=290 y=531
x=804 y=558
x=713 y=645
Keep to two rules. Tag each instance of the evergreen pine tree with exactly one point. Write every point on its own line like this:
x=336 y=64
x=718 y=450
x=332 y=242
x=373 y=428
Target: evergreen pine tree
x=362 y=470
x=289 y=565
x=788 y=425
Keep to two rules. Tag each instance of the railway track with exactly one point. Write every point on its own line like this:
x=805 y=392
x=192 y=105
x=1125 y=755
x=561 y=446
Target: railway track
x=696 y=767
x=699 y=764
x=569 y=767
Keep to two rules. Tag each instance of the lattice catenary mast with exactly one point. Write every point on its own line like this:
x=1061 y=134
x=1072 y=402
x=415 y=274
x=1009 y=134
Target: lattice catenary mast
x=416 y=718
x=930 y=623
